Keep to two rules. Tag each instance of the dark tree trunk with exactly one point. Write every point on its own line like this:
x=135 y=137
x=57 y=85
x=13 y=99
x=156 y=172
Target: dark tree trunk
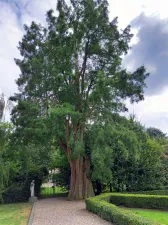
x=111 y=189
x=98 y=187
x=80 y=185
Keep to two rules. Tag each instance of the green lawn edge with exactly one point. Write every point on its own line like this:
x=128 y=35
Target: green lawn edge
x=102 y=206
x=15 y=214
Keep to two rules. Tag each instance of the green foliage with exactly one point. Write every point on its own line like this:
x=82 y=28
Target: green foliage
x=101 y=206
x=75 y=68
x=164 y=143
x=122 y=154
x=5 y=131
x=155 y=133
x=72 y=76
x=20 y=165
x=154 y=192
x=19 y=190
x=59 y=161
x=53 y=191
x=62 y=178
x=150 y=171
x=140 y=201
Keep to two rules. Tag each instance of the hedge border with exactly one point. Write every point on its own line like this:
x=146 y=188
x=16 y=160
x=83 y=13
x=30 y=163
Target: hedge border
x=140 y=200
x=153 y=192
x=101 y=206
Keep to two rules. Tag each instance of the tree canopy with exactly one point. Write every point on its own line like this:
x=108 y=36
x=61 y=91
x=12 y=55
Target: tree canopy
x=71 y=76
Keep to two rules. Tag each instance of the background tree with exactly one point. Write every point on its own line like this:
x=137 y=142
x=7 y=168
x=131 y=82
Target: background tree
x=2 y=144
x=123 y=155
x=155 y=133
x=2 y=105
x=72 y=72
x=161 y=138
x=59 y=161
x=5 y=131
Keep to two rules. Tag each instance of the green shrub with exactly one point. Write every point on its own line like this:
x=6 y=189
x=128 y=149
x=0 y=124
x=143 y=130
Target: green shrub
x=19 y=190
x=140 y=200
x=15 y=193
x=154 y=192
x=101 y=206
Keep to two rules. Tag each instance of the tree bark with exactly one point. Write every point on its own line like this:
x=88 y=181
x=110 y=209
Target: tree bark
x=80 y=185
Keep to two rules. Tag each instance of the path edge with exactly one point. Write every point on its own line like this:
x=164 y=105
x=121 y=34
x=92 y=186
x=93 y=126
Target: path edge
x=30 y=221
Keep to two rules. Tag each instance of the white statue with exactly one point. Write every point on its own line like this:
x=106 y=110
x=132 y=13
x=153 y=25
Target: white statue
x=32 y=188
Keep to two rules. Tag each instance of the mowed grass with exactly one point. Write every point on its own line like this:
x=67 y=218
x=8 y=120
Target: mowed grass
x=15 y=214
x=56 y=191
x=156 y=215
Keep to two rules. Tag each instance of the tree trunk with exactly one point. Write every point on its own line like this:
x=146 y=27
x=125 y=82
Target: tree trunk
x=80 y=185
x=111 y=189
x=98 y=187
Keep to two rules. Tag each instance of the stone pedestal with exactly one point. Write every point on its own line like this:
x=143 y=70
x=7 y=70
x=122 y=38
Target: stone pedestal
x=33 y=199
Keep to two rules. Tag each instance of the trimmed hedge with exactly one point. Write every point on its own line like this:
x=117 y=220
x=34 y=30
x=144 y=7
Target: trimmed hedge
x=154 y=192
x=140 y=200
x=101 y=206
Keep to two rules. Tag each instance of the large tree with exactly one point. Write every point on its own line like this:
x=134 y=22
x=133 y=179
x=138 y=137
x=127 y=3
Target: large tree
x=72 y=70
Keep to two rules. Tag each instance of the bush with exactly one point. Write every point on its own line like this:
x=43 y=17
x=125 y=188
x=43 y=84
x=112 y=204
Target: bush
x=140 y=201
x=19 y=190
x=154 y=192
x=15 y=193
x=101 y=206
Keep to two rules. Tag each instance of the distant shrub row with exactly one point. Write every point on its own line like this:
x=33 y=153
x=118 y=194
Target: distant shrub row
x=154 y=192
x=105 y=206
x=140 y=200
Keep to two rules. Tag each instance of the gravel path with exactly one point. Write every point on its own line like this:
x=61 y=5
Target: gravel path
x=60 y=211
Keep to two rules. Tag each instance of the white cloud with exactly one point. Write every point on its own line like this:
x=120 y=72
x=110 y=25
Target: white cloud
x=128 y=10
x=36 y=10
x=152 y=112
x=9 y=36
x=11 y=33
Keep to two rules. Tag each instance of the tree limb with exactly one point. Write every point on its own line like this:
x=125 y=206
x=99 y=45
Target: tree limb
x=83 y=69
x=63 y=146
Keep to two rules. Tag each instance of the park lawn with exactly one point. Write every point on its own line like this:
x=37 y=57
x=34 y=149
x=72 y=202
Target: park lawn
x=48 y=191
x=15 y=214
x=156 y=215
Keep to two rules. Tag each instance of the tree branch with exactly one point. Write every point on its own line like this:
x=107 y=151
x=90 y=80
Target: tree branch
x=63 y=146
x=83 y=69
x=89 y=88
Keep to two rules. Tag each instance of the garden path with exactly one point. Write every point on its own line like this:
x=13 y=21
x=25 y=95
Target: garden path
x=60 y=211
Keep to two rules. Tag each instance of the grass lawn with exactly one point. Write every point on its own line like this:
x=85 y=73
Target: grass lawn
x=15 y=214
x=156 y=215
x=49 y=191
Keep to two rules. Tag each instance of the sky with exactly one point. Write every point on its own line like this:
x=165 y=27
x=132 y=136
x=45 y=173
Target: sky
x=149 y=47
